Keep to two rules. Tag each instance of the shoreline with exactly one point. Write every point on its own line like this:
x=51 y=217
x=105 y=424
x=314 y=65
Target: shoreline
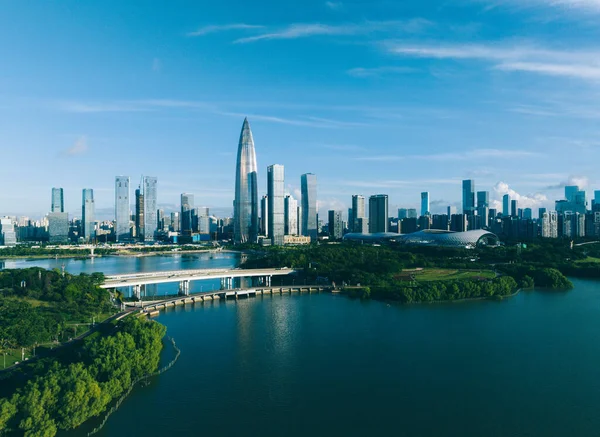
x=133 y=254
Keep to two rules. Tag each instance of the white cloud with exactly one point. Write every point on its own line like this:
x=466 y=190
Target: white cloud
x=512 y=58
x=582 y=5
x=305 y=121
x=127 y=105
x=205 y=30
x=79 y=147
x=379 y=71
x=525 y=201
x=580 y=181
x=305 y=30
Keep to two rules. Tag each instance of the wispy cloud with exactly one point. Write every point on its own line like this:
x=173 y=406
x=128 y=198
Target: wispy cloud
x=305 y=30
x=379 y=71
x=580 y=181
x=582 y=5
x=205 y=30
x=301 y=121
x=334 y=6
x=127 y=105
x=521 y=57
x=79 y=147
x=462 y=156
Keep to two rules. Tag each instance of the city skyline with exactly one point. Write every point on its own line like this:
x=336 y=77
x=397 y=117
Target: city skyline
x=501 y=94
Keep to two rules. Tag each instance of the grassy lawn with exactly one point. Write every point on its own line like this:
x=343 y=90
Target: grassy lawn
x=451 y=274
x=588 y=260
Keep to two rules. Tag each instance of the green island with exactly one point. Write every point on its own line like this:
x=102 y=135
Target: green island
x=81 y=367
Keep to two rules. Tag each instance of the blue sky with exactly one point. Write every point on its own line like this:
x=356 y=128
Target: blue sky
x=373 y=96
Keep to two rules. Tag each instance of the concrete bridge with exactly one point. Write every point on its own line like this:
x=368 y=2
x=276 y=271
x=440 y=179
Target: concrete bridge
x=138 y=281
x=152 y=307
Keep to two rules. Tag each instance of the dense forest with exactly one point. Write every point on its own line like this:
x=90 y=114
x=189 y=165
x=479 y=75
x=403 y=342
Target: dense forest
x=62 y=394
x=37 y=306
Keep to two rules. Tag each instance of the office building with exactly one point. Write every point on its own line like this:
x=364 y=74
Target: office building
x=122 y=215
x=411 y=213
x=308 y=186
x=402 y=213
x=378 y=213
x=88 y=212
x=468 y=196
x=58 y=200
x=451 y=210
x=440 y=221
x=187 y=212
x=506 y=205
x=541 y=212
x=245 y=207
x=336 y=230
x=527 y=214
x=483 y=207
x=458 y=223
x=58 y=227
x=571 y=192
x=276 y=200
x=514 y=208
x=150 y=207
x=425 y=203
x=175 y=222
x=358 y=212
x=290 y=211
x=264 y=216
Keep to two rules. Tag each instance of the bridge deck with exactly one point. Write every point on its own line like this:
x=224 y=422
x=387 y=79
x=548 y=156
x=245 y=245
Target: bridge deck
x=127 y=280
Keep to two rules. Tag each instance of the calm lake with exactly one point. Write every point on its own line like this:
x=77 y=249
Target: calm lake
x=324 y=364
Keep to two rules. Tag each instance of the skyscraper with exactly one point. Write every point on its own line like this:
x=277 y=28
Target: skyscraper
x=88 y=210
x=570 y=192
x=514 y=208
x=122 y=232
x=290 y=211
x=468 y=197
x=425 y=203
x=308 y=186
x=245 y=206
x=378 y=213
x=358 y=212
x=506 y=205
x=58 y=200
x=150 y=207
x=483 y=206
x=402 y=213
x=139 y=213
x=264 y=215
x=275 y=193
x=335 y=224
x=185 y=218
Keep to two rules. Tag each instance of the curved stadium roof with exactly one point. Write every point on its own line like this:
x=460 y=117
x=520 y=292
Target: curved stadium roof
x=432 y=237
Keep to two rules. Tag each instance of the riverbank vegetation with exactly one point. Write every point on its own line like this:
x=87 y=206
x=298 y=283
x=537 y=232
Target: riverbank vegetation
x=61 y=393
x=417 y=274
x=45 y=307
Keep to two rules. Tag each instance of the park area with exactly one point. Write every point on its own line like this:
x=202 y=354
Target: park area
x=437 y=274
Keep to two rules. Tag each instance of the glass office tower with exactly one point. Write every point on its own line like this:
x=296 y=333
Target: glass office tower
x=424 y=203
x=275 y=196
x=245 y=205
x=308 y=187
x=88 y=210
x=358 y=212
x=58 y=200
x=378 y=213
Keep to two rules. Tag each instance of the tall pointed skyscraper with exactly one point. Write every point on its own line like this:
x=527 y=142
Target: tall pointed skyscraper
x=245 y=205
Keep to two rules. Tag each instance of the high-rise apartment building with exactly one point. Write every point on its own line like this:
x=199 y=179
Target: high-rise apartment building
x=336 y=229
x=451 y=211
x=8 y=236
x=549 y=224
x=150 y=207
x=88 y=212
x=378 y=213
x=58 y=200
x=308 y=187
x=58 y=227
x=122 y=216
x=139 y=214
x=290 y=211
x=245 y=206
x=425 y=203
x=358 y=212
x=276 y=196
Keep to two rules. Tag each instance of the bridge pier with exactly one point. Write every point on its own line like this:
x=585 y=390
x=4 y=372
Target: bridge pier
x=184 y=288
x=268 y=281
